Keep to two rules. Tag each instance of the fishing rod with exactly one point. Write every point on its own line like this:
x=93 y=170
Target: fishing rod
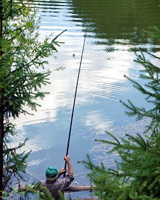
x=75 y=94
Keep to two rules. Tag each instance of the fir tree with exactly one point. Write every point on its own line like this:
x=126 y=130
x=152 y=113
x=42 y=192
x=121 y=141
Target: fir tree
x=137 y=174
x=22 y=74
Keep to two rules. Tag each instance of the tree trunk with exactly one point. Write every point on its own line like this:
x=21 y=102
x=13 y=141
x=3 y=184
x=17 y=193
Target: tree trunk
x=92 y=198
x=79 y=188
x=1 y=151
x=1 y=20
x=1 y=116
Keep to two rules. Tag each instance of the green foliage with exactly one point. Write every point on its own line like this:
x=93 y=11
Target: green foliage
x=14 y=160
x=22 y=75
x=26 y=191
x=151 y=74
x=43 y=192
x=22 y=60
x=137 y=173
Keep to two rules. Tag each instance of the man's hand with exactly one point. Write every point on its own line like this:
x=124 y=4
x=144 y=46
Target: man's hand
x=62 y=171
x=67 y=159
x=70 y=170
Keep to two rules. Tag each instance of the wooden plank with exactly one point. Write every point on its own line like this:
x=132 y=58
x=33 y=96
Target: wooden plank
x=87 y=199
x=79 y=188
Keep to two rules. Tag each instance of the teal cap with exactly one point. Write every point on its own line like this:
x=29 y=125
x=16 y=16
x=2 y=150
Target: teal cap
x=51 y=171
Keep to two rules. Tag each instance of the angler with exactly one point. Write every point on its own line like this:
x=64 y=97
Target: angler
x=53 y=183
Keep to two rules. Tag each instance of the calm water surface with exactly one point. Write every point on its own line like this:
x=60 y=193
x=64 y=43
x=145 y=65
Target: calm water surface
x=114 y=31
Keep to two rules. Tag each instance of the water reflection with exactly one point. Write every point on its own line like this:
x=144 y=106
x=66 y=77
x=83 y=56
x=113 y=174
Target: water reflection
x=114 y=30
x=120 y=19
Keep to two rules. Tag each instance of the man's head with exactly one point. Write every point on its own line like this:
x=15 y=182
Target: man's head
x=51 y=172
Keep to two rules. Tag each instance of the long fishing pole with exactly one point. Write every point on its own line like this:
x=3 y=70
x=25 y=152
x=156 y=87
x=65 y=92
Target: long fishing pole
x=75 y=94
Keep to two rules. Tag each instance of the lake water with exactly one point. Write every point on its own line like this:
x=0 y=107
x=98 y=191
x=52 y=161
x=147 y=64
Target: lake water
x=114 y=32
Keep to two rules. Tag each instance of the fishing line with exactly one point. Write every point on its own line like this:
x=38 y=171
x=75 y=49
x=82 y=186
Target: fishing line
x=75 y=94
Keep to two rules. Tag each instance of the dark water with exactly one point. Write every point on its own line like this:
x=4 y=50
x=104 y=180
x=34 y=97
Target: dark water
x=114 y=32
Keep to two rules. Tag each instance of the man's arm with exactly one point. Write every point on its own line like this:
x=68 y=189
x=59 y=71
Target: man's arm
x=70 y=169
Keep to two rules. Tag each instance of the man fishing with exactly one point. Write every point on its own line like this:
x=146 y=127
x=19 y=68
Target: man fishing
x=53 y=183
